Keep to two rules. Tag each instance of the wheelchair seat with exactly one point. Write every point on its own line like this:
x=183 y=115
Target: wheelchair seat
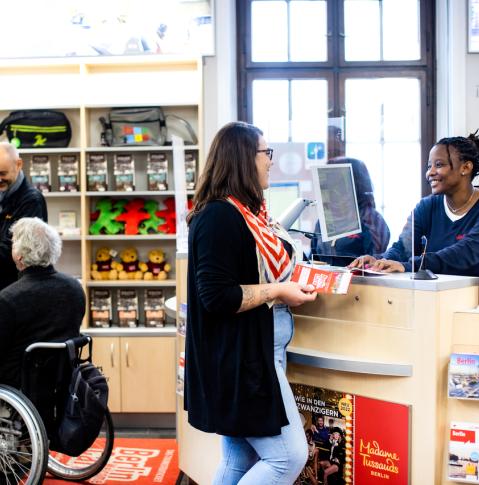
x=29 y=419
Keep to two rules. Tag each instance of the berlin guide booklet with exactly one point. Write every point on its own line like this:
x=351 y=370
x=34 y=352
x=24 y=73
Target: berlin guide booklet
x=328 y=279
x=463 y=452
x=463 y=376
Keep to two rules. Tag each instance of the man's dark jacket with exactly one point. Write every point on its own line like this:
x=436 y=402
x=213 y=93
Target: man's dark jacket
x=231 y=386
x=43 y=305
x=26 y=201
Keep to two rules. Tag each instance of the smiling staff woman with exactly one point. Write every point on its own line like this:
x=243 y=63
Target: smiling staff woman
x=449 y=218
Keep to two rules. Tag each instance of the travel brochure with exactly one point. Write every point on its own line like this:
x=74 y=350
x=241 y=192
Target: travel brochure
x=463 y=377
x=353 y=439
x=328 y=279
x=463 y=452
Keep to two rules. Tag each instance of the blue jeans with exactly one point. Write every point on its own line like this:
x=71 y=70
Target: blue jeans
x=270 y=460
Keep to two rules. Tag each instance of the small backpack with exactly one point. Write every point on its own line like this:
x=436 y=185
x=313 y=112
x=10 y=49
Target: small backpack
x=37 y=128
x=85 y=406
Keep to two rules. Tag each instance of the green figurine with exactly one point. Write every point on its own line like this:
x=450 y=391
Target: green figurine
x=150 y=226
x=105 y=223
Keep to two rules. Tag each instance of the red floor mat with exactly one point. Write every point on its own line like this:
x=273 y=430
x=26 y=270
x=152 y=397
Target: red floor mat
x=140 y=461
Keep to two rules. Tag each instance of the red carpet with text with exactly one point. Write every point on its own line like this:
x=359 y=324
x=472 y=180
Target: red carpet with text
x=141 y=461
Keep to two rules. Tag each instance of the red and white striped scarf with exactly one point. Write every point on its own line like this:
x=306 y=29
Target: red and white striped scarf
x=274 y=263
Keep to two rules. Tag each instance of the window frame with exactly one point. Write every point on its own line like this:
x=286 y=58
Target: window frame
x=336 y=69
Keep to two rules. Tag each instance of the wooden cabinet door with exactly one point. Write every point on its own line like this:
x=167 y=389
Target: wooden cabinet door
x=106 y=354
x=148 y=374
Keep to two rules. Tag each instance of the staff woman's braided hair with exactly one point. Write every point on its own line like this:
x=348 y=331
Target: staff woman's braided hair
x=467 y=149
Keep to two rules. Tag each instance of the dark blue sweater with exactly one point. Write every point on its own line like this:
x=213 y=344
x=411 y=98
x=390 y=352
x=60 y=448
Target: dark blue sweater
x=452 y=246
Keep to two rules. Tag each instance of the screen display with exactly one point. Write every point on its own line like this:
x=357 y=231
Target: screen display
x=336 y=201
x=280 y=196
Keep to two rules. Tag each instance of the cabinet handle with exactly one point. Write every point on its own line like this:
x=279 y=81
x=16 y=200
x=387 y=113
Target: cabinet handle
x=112 y=355
x=127 y=346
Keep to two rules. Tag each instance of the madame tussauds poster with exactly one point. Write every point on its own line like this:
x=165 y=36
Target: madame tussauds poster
x=352 y=440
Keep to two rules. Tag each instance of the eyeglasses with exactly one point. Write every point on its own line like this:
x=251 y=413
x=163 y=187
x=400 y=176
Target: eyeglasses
x=268 y=151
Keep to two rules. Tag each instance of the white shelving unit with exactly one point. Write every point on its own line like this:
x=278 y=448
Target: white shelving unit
x=86 y=89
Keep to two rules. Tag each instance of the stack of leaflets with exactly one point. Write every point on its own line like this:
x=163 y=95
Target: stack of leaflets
x=40 y=173
x=463 y=452
x=463 y=376
x=157 y=171
x=154 y=307
x=124 y=171
x=97 y=173
x=127 y=308
x=100 y=306
x=68 y=173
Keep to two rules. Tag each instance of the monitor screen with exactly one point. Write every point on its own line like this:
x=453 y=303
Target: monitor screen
x=280 y=195
x=336 y=201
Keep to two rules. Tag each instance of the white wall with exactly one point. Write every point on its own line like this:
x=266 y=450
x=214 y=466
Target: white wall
x=220 y=99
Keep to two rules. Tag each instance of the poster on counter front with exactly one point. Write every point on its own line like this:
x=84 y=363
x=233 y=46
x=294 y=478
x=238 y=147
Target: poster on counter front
x=352 y=439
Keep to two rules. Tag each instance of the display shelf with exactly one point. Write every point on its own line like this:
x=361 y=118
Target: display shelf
x=71 y=237
x=48 y=151
x=132 y=149
x=168 y=283
x=135 y=237
x=131 y=193
x=55 y=194
x=166 y=331
x=95 y=85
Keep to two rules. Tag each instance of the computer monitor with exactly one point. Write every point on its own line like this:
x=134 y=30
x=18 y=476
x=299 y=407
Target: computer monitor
x=337 y=205
x=280 y=195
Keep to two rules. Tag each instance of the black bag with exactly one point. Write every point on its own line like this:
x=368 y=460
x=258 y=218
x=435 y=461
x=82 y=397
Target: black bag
x=37 y=128
x=142 y=126
x=85 y=407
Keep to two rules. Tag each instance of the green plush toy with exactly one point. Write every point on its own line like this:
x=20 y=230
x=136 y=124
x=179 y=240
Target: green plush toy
x=107 y=211
x=150 y=226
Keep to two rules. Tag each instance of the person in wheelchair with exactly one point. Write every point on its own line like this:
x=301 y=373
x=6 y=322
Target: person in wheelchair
x=43 y=305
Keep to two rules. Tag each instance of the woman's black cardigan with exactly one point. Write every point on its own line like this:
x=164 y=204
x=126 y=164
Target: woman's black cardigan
x=231 y=387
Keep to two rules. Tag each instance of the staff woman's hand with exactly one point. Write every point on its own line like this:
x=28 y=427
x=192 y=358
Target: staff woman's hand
x=294 y=294
x=388 y=266
x=363 y=262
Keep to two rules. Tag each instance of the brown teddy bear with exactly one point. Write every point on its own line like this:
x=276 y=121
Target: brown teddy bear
x=156 y=266
x=104 y=267
x=130 y=268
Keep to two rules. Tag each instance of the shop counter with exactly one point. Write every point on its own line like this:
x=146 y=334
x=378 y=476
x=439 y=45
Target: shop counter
x=388 y=338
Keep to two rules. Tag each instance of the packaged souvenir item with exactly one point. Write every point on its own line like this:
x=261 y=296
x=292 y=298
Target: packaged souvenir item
x=40 y=173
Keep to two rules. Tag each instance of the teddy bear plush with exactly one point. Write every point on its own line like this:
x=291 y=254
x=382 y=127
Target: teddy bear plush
x=104 y=267
x=156 y=266
x=130 y=268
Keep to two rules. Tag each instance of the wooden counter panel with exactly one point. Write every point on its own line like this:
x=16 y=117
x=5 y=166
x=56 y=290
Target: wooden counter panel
x=383 y=306
x=354 y=338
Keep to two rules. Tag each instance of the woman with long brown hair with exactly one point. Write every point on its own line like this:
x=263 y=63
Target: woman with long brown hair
x=239 y=266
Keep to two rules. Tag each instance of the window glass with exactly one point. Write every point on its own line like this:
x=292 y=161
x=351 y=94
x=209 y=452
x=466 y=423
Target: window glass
x=269 y=31
x=383 y=130
x=362 y=39
x=309 y=101
x=293 y=110
x=381 y=30
x=401 y=30
x=271 y=108
x=308 y=31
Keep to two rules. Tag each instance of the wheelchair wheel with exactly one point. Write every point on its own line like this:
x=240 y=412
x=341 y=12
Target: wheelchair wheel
x=23 y=440
x=89 y=463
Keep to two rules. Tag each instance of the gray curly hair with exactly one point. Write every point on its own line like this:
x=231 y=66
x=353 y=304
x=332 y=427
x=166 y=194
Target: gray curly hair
x=36 y=242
